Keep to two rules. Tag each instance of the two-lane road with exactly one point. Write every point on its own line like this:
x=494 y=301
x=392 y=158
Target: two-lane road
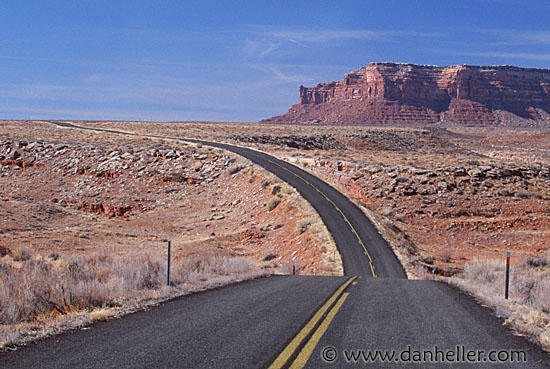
x=293 y=321
x=364 y=252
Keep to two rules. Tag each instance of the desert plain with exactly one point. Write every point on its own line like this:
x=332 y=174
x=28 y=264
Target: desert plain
x=444 y=197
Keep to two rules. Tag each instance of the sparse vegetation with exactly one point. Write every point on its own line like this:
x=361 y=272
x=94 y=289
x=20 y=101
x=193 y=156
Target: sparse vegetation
x=65 y=285
x=273 y=203
x=529 y=284
x=235 y=169
x=528 y=308
x=276 y=189
x=178 y=177
x=303 y=224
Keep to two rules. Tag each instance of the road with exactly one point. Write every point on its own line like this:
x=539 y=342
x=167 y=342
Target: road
x=239 y=326
x=364 y=252
x=291 y=321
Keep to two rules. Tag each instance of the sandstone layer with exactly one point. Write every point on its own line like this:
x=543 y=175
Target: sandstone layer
x=391 y=93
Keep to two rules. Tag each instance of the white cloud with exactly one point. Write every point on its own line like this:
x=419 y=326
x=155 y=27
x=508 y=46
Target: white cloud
x=512 y=37
x=493 y=54
x=302 y=37
x=512 y=55
x=275 y=72
x=272 y=47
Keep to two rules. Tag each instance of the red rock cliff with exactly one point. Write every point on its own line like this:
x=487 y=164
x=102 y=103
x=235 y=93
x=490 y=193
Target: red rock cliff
x=386 y=93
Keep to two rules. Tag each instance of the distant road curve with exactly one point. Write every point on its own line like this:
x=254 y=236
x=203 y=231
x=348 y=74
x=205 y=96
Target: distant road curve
x=364 y=252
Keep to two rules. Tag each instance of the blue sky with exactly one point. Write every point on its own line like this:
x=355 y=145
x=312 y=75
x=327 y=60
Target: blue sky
x=236 y=60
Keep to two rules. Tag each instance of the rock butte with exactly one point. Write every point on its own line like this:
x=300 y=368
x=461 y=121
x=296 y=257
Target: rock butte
x=394 y=93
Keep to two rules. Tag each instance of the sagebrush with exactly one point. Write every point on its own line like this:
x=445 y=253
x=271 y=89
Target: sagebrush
x=68 y=283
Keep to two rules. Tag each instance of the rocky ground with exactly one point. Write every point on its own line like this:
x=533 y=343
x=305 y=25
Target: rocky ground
x=451 y=200
x=453 y=203
x=452 y=194
x=80 y=192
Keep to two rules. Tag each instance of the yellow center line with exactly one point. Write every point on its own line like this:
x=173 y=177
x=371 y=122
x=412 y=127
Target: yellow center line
x=306 y=352
x=337 y=209
x=296 y=341
x=371 y=265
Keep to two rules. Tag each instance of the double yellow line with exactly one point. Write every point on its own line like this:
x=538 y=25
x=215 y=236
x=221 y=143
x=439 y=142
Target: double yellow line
x=337 y=209
x=335 y=301
x=371 y=265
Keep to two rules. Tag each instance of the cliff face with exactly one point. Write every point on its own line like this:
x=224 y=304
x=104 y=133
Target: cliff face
x=386 y=93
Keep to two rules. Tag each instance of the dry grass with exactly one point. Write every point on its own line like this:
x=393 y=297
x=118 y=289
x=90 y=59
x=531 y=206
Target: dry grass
x=273 y=203
x=67 y=291
x=528 y=306
x=527 y=310
x=303 y=224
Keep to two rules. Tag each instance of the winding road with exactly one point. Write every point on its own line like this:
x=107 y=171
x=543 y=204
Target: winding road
x=300 y=321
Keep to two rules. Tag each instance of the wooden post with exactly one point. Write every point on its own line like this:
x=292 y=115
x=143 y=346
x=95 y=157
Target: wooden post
x=506 y=288
x=168 y=266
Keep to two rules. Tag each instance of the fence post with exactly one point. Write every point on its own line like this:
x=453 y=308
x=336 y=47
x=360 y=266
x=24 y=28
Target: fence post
x=506 y=288
x=168 y=267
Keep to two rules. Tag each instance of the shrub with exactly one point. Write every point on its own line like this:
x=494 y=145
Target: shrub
x=527 y=286
x=235 y=169
x=100 y=280
x=270 y=257
x=276 y=190
x=178 y=177
x=483 y=270
x=539 y=262
x=21 y=254
x=273 y=203
x=302 y=225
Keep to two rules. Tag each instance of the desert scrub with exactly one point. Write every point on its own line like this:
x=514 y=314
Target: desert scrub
x=273 y=203
x=303 y=224
x=528 y=306
x=178 y=177
x=529 y=280
x=71 y=283
x=235 y=169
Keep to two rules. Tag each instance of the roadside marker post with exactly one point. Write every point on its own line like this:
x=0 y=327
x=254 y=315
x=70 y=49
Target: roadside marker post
x=506 y=288
x=168 y=267
x=433 y=274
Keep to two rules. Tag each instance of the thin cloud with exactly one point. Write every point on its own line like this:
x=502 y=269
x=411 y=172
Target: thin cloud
x=302 y=37
x=272 y=47
x=276 y=72
x=512 y=55
x=320 y=67
x=494 y=54
x=512 y=37
x=18 y=58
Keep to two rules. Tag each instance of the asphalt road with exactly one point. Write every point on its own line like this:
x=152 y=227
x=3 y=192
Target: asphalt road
x=356 y=238
x=412 y=316
x=282 y=322
x=240 y=326
x=364 y=252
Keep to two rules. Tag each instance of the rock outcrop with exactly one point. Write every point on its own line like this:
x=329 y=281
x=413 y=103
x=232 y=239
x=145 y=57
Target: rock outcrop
x=390 y=93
